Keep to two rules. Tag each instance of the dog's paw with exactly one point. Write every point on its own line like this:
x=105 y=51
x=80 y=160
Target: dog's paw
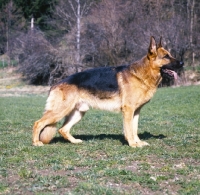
x=38 y=143
x=76 y=141
x=138 y=144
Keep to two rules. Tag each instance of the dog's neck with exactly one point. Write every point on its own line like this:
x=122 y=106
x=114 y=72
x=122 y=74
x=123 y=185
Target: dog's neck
x=146 y=72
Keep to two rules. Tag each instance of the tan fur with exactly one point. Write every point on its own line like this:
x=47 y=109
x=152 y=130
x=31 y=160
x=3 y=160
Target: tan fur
x=47 y=134
x=136 y=87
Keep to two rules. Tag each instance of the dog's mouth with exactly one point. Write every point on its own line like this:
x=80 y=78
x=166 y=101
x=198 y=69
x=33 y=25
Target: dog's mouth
x=170 y=73
x=170 y=70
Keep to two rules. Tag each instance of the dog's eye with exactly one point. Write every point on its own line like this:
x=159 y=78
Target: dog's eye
x=167 y=56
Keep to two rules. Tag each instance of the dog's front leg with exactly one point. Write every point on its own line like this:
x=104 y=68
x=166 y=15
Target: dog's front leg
x=130 y=120
x=137 y=141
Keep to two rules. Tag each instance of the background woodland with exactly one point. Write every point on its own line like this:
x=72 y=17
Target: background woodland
x=48 y=40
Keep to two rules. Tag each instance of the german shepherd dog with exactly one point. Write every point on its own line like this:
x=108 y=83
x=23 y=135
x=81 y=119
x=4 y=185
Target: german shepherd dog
x=124 y=88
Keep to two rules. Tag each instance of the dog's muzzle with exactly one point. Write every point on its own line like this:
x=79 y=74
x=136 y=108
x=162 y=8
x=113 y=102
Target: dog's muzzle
x=171 y=69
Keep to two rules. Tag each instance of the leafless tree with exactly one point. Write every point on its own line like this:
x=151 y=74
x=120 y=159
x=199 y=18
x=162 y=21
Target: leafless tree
x=8 y=9
x=107 y=44
x=191 y=16
x=72 y=12
x=37 y=58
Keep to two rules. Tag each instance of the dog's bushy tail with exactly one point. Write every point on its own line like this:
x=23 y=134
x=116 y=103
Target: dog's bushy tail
x=48 y=133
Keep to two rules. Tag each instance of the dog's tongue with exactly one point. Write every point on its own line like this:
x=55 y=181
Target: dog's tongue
x=174 y=74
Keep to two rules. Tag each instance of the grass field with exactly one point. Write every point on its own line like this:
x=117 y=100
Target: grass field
x=104 y=163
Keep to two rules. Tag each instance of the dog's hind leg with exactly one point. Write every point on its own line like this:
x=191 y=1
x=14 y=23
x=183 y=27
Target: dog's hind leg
x=49 y=119
x=61 y=102
x=70 y=120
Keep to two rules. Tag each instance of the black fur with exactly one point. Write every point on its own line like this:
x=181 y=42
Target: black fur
x=96 y=80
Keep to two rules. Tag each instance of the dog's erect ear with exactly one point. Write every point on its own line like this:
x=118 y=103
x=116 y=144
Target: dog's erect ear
x=152 y=46
x=160 y=43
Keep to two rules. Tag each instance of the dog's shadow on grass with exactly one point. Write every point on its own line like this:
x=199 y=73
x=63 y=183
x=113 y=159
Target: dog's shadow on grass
x=87 y=137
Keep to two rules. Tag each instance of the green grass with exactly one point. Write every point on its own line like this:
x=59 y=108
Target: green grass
x=104 y=163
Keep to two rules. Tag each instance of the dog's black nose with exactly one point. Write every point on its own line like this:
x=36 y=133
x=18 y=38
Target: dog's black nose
x=181 y=63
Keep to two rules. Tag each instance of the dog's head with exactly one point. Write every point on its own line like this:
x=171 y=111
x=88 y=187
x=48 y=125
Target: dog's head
x=162 y=59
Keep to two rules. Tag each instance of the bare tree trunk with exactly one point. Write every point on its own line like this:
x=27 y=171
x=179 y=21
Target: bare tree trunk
x=78 y=35
x=31 y=34
x=8 y=47
x=72 y=12
x=9 y=8
x=191 y=32
x=7 y=37
x=32 y=23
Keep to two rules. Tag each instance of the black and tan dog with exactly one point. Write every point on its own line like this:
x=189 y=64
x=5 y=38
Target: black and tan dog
x=122 y=88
